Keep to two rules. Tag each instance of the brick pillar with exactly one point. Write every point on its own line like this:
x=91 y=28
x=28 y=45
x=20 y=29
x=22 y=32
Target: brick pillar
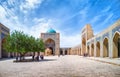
x=110 y=42
x=95 y=52
x=101 y=47
x=0 y=49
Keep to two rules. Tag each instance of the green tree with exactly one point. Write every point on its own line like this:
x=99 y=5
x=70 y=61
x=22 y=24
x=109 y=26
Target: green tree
x=20 y=43
x=40 y=46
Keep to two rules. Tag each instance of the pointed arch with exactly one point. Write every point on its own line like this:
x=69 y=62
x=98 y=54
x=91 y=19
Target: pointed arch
x=88 y=50
x=80 y=51
x=105 y=48
x=116 y=45
x=50 y=46
x=98 y=49
x=83 y=45
x=92 y=49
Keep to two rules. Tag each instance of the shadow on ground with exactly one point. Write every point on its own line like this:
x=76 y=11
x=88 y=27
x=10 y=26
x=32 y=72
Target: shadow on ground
x=4 y=59
x=48 y=60
x=30 y=60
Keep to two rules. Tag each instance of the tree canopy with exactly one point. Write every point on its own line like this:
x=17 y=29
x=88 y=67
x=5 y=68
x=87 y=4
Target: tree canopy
x=22 y=43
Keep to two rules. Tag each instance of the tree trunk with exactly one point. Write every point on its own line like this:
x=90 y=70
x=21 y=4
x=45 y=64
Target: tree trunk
x=38 y=55
x=17 y=57
x=33 y=57
x=20 y=57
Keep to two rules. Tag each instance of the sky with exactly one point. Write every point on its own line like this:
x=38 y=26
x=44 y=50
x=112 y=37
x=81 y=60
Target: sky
x=67 y=17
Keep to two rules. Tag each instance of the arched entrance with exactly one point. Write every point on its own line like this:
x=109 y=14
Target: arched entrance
x=77 y=51
x=98 y=49
x=92 y=50
x=65 y=52
x=116 y=45
x=83 y=46
x=61 y=52
x=80 y=51
x=88 y=50
x=105 y=48
x=50 y=47
x=51 y=50
x=4 y=54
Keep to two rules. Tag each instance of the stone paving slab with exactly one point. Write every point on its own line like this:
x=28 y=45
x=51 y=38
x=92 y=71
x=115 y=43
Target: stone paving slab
x=63 y=66
x=114 y=61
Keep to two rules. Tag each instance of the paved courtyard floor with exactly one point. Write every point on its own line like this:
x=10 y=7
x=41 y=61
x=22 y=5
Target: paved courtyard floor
x=63 y=66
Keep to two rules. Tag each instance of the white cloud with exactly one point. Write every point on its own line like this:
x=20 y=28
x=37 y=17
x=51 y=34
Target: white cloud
x=38 y=20
x=82 y=13
x=96 y=18
x=7 y=15
x=106 y=9
x=9 y=20
x=35 y=30
x=2 y=13
x=40 y=25
x=69 y=41
x=107 y=19
x=29 y=4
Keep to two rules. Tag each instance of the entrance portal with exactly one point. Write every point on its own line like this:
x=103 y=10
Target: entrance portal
x=51 y=50
x=65 y=52
x=50 y=47
x=61 y=52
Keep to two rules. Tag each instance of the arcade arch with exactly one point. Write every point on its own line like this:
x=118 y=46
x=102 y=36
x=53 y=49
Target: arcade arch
x=92 y=49
x=98 y=49
x=88 y=50
x=116 y=45
x=105 y=48
x=83 y=45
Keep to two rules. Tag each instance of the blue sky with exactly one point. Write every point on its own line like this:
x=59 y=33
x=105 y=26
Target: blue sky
x=67 y=17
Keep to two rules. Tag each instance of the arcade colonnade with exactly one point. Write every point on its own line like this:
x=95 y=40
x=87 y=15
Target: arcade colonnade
x=104 y=44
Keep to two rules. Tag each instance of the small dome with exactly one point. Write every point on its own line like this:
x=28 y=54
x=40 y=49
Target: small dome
x=51 y=30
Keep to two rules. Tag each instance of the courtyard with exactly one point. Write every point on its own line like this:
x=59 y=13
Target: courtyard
x=63 y=66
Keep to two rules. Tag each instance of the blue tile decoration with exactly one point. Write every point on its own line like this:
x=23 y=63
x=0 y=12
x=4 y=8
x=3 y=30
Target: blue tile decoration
x=3 y=36
x=92 y=41
x=3 y=29
x=115 y=29
x=98 y=38
x=105 y=35
x=83 y=36
x=88 y=43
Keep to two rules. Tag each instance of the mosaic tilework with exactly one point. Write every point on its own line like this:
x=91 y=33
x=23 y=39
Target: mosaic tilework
x=98 y=38
x=116 y=29
x=105 y=35
x=88 y=43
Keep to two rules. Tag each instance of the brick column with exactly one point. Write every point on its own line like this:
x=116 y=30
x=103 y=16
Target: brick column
x=101 y=47
x=0 y=47
x=110 y=45
x=95 y=52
